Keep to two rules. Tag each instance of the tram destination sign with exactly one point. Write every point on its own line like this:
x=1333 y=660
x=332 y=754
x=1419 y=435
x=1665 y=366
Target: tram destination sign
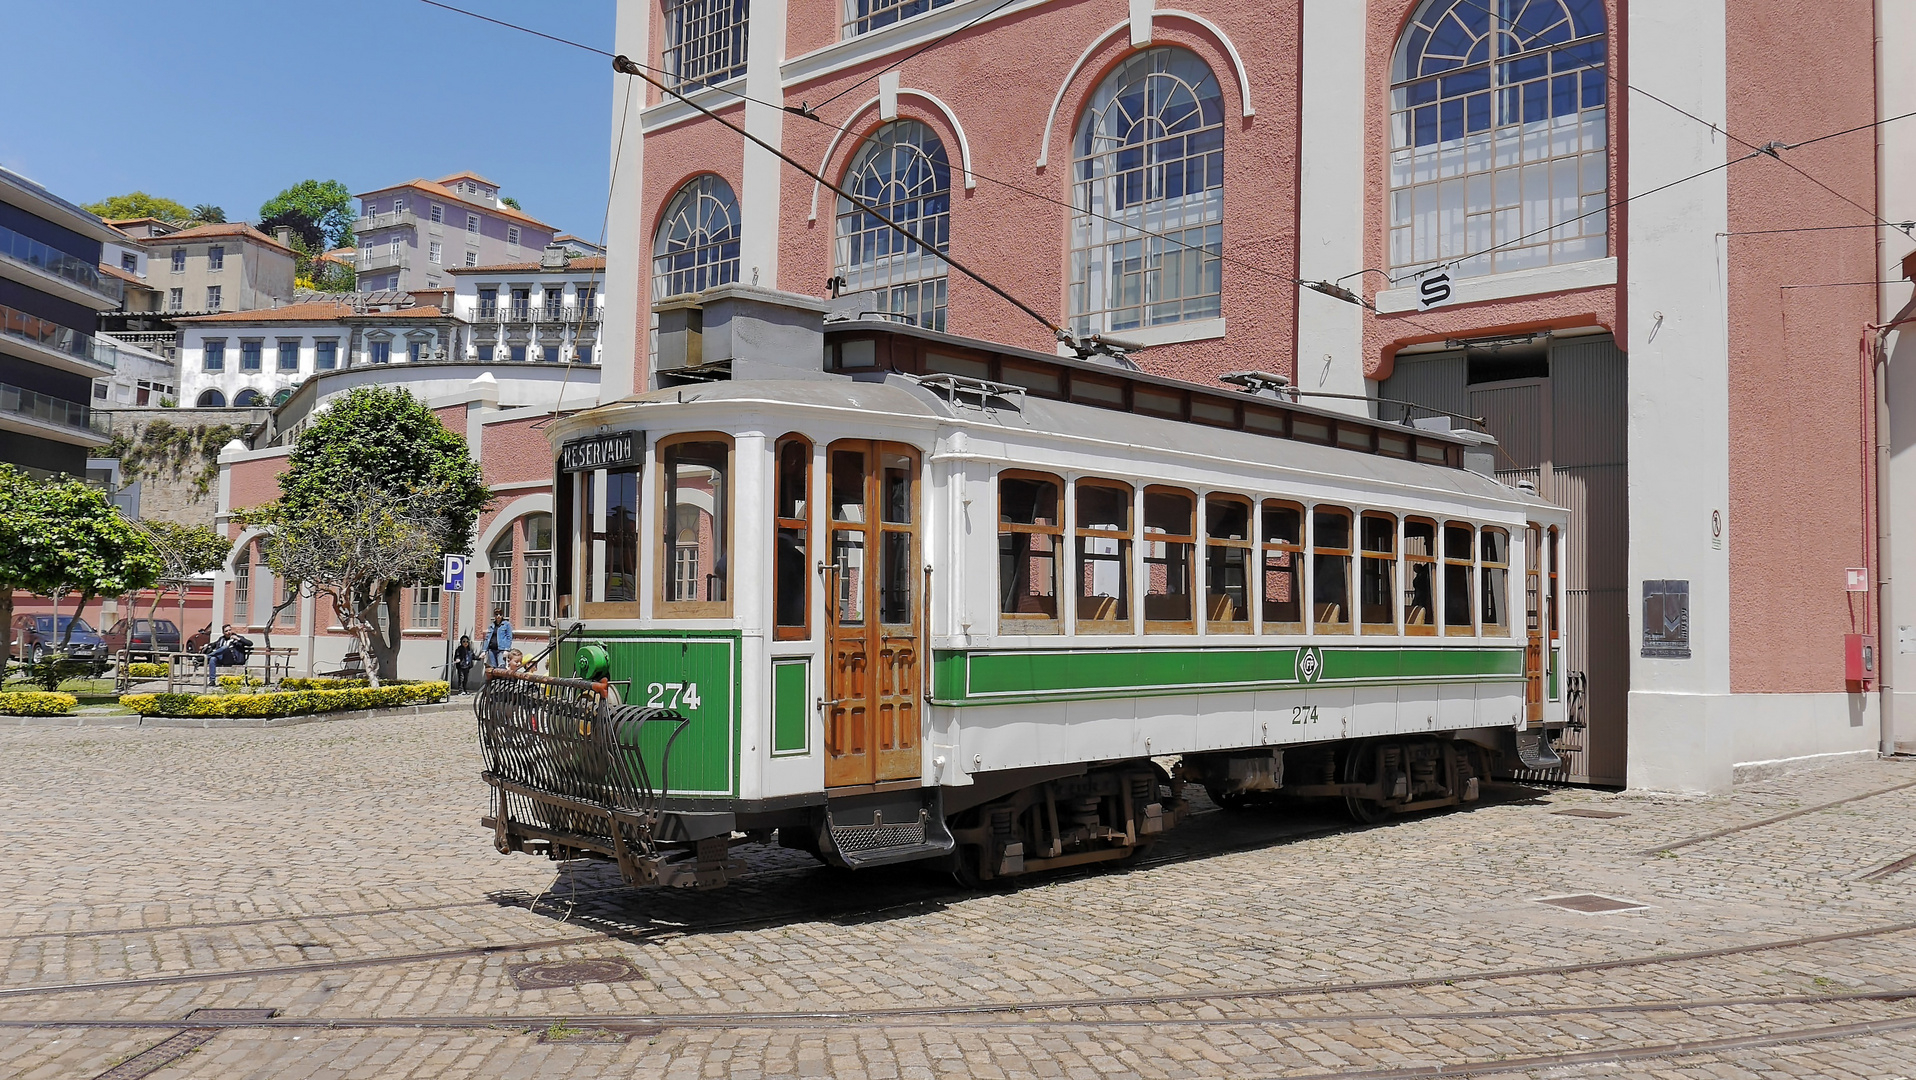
x=612 y=451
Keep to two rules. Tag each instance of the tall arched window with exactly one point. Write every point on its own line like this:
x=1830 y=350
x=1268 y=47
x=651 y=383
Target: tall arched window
x=697 y=245
x=1498 y=136
x=1147 y=236
x=901 y=173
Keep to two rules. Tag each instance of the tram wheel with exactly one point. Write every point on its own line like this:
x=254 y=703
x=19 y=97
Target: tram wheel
x=1232 y=801
x=1360 y=767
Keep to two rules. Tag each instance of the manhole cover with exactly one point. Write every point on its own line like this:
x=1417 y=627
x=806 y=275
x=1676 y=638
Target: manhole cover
x=1591 y=903
x=1581 y=812
x=229 y=1016
x=551 y=974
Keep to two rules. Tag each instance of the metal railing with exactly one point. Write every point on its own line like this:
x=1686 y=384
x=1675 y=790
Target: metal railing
x=383 y=259
x=386 y=220
x=529 y=313
x=52 y=410
x=54 y=261
x=63 y=339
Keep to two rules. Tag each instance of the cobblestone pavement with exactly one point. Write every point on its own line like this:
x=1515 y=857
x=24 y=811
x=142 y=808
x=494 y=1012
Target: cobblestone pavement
x=336 y=873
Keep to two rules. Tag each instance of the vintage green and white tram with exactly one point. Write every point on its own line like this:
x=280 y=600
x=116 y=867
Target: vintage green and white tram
x=885 y=595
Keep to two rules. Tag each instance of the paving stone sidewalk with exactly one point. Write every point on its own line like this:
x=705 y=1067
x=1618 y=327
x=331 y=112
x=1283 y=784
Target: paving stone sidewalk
x=336 y=873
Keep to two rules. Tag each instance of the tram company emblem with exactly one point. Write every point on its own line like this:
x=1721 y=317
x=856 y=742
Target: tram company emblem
x=1309 y=662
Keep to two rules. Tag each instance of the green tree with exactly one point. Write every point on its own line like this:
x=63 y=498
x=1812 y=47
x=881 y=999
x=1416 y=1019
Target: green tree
x=185 y=551
x=408 y=479
x=208 y=214
x=512 y=202
x=63 y=535
x=139 y=204
x=324 y=206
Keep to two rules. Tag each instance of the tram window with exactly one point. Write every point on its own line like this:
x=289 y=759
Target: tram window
x=618 y=526
x=1169 y=536
x=957 y=365
x=1155 y=402
x=1458 y=572
x=693 y=521
x=1331 y=570
x=1316 y=431
x=1264 y=421
x=897 y=567
x=1282 y=533
x=1042 y=381
x=1096 y=391
x=565 y=551
x=1496 y=575
x=1389 y=445
x=848 y=545
x=1030 y=537
x=857 y=354
x=1227 y=564
x=1431 y=451
x=1377 y=575
x=1103 y=549
x=792 y=580
x=1213 y=413
x=1420 y=576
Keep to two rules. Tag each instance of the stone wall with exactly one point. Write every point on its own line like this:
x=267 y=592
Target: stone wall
x=174 y=455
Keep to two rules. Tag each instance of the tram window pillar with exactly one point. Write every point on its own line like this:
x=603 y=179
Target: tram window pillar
x=1102 y=550
x=1330 y=570
x=1170 y=536
x=791 y=513
x=1377 y=583
x=1030 y=540
x=1495 y=549
x=1281 y=531
x=1227 y=564
x=1420 y=576
x=1459 y=574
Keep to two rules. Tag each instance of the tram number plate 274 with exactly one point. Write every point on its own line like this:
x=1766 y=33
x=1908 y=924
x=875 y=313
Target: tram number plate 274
x=672 y=695
x=1303 y=714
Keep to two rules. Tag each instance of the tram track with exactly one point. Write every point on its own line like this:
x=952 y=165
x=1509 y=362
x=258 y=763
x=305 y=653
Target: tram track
x=1672 y=848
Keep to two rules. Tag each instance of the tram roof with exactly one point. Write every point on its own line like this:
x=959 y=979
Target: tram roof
x=879 y=394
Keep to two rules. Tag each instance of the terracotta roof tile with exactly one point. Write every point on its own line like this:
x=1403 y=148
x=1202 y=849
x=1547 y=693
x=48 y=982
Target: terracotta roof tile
x=114 y=271
x=312 y=311
x=213 y=232
x=456 y=200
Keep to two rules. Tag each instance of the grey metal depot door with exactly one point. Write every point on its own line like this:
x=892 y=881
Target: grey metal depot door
x=1558 y=411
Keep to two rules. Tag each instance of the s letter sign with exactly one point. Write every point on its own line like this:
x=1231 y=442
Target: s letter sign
x=1433 y=290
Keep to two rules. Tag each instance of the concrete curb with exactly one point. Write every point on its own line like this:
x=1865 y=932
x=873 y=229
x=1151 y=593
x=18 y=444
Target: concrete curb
x=223 y=722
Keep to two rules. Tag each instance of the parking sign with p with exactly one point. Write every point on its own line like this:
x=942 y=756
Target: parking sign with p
x=455 y=573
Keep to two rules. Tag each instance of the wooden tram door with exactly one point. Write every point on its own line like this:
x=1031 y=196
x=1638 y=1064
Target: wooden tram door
x=1536 y=599
x=873 y=681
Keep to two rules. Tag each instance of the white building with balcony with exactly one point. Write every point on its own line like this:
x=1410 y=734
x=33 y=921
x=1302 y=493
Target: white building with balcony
x=258 y=358
x=546 y=310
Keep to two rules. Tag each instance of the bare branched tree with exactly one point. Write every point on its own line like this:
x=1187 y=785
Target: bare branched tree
x=356 y=551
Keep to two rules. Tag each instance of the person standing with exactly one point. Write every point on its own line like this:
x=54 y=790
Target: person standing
x=499 y=638
x=462 y=660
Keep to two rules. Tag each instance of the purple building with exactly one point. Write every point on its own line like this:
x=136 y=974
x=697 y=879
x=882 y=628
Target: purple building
x=411 y=234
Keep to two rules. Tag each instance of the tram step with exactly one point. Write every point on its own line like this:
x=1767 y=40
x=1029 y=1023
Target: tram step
x=877 y=830
x=1535 y=751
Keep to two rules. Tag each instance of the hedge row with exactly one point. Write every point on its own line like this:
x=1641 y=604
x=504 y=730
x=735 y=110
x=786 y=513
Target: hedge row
x=284 y=703
x=147 y=671
x=38 y=703
x=234 y=682
x=326 y=682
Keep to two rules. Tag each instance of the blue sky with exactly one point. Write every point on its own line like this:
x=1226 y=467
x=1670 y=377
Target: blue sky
x=229 y=101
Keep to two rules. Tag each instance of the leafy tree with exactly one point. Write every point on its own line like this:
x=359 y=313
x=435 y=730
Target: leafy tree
x=512 y=202
x=311 y=238
x=324 y=206
x=372 y=482
x=139 y=204
x=185 y=551
x=63 y=535
x=208 y=214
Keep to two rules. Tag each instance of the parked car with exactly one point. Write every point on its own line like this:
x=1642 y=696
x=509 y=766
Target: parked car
x=143 y=639
x=34 y=636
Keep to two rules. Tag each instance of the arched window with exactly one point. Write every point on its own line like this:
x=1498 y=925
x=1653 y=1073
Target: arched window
x=211 y=399
x=248 y=398
x=901 y=173
x=282 y=395
x=697 y=245
x=1498 y=136
x=1147 y=236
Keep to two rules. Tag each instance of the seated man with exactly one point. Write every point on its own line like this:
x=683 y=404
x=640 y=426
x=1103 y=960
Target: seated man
x=231 y=649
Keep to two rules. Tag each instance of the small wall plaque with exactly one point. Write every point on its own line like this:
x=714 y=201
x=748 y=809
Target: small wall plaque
x=1666 y=620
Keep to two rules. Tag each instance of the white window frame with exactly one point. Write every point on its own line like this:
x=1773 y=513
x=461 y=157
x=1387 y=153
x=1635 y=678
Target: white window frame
x=434 y=252
x=897 y=171
x=215 y=258
x=438 y=213
x=512 y=235
x=472 y=224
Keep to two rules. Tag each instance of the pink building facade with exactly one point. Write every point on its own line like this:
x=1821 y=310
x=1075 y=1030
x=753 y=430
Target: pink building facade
x=1559 y=216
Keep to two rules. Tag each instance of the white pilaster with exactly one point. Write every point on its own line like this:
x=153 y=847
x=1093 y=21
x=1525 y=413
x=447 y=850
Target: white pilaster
x=764 y=172
x=627 y=246
x=1896 y=194
x=1682 y=734
x=1330 y=239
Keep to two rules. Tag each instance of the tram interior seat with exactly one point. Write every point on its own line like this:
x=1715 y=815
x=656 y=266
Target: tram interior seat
x=1097 y=608
x=1329 y=614
x=1417 y=616
x=1220 y=609
x=1167 y=607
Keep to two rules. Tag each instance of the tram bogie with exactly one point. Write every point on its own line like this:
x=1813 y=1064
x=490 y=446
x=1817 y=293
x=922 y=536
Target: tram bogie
x=914 y=613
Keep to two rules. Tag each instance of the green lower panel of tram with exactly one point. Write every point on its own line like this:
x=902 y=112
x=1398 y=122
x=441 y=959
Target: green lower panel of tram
x=1025 y=676
x=696 y=673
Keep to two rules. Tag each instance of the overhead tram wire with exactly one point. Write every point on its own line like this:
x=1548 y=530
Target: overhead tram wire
x=806 y=110
x=1327 y=288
